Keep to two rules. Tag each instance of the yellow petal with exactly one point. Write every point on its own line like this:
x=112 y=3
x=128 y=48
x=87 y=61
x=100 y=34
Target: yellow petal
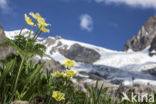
x=57 y=74
x=71 y=73
x=33 y=15
x=43 y=29
x=40 y=20
x=69 y=63
x=28 y=20
x=58 y=96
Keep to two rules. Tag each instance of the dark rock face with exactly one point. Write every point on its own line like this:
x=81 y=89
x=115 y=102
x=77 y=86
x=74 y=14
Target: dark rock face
x=81 y=54
x=2 y=34
x=50 y=65
x=4 y=50
x=151 y=71
x=152 y=50
x=144 y=37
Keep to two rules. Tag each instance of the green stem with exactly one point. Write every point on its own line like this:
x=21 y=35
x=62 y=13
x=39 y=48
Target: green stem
x=38 y=35
x=31 y=29
x=29 y=35
x=19 y=72
x=23 y=59
x=22 y=28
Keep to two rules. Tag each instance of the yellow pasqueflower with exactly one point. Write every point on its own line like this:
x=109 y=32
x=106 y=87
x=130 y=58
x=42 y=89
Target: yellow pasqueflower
x=69 y=63
x=71 y=73
x=35 y=16
x=28 y=20
x=58 y=96
x=57 y=74
x=65 y=75
x=43 y=29
x=40 y=20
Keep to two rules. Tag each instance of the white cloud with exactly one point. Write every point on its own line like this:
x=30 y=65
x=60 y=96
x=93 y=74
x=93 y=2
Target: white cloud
x=86 y=22
x=4 y=5
x=133 y=3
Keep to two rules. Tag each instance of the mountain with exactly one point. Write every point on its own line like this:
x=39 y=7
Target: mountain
x=144 y=37
x=93 y=62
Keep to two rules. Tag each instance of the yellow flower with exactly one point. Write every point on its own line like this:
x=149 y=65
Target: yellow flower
x=57 y=74
x=28 y=20
x=43 y=29
x=58 y=96
x=69 y=63
x=65 y=75
x=35 y=16
x=40 y=20
x=71 y=73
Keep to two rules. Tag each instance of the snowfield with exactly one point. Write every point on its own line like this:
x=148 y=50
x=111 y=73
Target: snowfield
x=112 y=65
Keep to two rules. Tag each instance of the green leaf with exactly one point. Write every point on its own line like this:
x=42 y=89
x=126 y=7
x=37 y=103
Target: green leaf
x=100 y=92
x=7 y=70
x=33 y=75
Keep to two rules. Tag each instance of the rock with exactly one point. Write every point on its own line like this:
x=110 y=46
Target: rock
x=53 y=66
x=20 y=102
x=37 y=100
x=135 y=89
x=82 y=85
x=2 y=34
x=50 y=65
x=117 y=81
x=58 y=37
x=81 y=54
x=88 y=76
x=115 y=91
x=152 y=50
x=151 y=71
x=144 y=37
x=4 y=50
x=49 y=41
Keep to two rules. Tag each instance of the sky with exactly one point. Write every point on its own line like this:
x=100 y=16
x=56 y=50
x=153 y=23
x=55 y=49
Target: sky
x=105 y=23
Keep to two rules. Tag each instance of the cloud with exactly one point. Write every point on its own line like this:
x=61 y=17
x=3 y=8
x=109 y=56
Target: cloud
x=132 y=3
x=115 y=25
x=86 y=22
x=4 y=5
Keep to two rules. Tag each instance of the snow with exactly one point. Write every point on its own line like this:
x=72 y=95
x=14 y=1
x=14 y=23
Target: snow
x=139 y=82
x=116 y=65
x=153 y=51
x=127 y=64
x=58 y=57
x=12 y=34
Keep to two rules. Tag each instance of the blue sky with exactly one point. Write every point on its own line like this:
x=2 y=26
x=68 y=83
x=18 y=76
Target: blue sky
x=106 y=23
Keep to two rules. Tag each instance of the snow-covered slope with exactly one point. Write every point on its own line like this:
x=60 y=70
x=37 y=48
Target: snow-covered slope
x=112 y=65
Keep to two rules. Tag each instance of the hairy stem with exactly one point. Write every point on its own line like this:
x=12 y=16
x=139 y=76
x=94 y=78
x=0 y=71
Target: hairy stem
x=19 y=72
x=31 y=29
x=22 y=28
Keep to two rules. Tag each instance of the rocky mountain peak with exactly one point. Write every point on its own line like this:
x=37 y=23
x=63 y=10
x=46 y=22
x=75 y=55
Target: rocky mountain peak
x=150 y=24
x=144 y=37
x=4 y=50
x=2 y=34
